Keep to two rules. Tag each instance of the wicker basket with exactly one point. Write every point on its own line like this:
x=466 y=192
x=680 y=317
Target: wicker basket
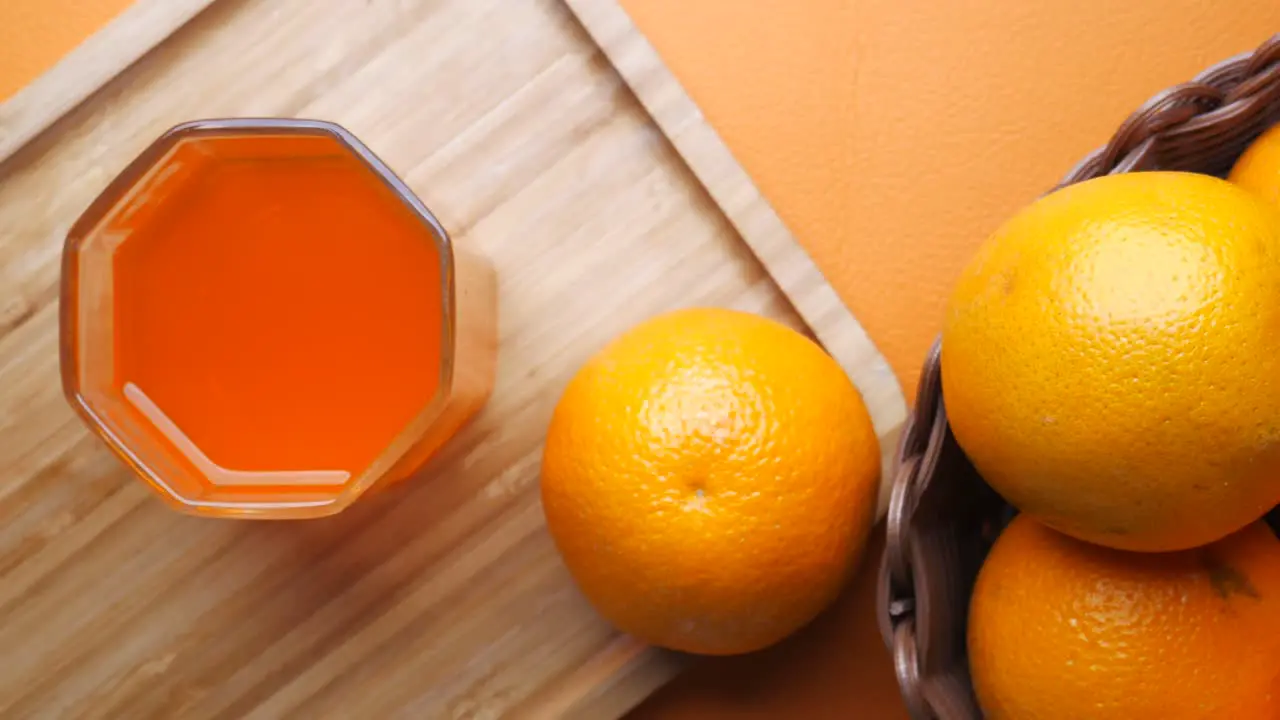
x=943 y=517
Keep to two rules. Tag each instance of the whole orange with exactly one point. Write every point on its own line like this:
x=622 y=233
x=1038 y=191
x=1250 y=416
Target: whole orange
x=1111 y=360
x=1258 y=169
x=1063 y=629
x=710 y=478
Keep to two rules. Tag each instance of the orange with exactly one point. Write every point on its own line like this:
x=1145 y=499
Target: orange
x=1258 y=169
x=1062 y=629
x=710 y=478
x=1111 y=360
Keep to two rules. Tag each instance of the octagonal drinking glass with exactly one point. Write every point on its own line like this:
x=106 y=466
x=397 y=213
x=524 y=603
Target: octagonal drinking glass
x=261 y=320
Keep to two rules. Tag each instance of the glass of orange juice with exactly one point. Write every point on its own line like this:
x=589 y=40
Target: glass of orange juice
x=262 y=320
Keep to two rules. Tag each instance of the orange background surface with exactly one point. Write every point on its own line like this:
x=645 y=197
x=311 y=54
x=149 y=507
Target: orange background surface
x=35 y=34
x=892 y=136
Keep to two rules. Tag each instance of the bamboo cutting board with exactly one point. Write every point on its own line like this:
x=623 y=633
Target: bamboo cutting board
x=441 y=597
x=87 y=66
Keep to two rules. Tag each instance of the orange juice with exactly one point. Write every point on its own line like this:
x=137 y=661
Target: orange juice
x=262 y=320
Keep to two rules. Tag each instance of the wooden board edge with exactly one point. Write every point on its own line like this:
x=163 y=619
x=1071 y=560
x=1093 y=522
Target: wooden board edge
x=92 y=64
x=713 y=164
